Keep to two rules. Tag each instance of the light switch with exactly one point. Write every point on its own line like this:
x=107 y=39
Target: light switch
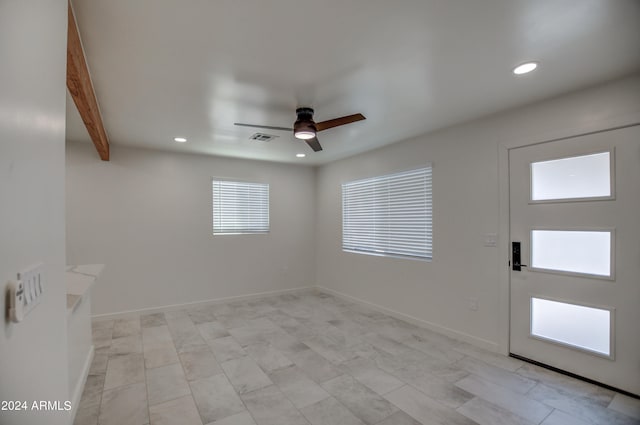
x=16 y=301
x=33 y=282
x=491 y=239
x=27 y=292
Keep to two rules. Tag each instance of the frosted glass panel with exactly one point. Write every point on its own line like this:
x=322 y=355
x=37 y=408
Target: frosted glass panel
x=587 y=252
x=587 y=176
x=576 y=325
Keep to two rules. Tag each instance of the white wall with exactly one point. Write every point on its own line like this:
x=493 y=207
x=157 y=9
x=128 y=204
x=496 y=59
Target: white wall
x=146 y=214
x=466 y=193
x=33 y=353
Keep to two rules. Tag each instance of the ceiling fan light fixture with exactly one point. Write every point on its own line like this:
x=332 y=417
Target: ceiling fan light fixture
x=304 y=128
x=304 y=134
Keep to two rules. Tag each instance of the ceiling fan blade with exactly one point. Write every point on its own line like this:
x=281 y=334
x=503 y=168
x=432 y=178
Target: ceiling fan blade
x=314 y=144
x=263 y=126
x=339 y=121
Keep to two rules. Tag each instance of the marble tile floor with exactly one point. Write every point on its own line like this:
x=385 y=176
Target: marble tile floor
x=310 y=358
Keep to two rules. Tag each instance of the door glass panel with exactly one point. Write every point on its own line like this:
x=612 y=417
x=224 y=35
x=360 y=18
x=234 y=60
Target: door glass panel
x=587 y=176
x=579 y=326
x=584 y=252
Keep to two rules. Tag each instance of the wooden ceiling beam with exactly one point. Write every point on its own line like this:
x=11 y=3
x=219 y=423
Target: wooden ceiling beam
x=81 y=89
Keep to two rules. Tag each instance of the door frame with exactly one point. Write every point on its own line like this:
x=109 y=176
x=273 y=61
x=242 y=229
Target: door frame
x=504 y=216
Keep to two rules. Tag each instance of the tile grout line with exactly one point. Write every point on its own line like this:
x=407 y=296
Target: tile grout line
x=144 y=367
x=223 y=372
x=183 y=371
x=105 y=375
x=553 y=409
x=188 y=382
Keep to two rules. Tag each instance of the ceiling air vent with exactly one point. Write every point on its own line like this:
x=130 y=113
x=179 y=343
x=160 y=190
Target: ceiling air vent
x=262 y=137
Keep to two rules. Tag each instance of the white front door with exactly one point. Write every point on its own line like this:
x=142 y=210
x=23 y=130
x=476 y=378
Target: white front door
x=575 y=212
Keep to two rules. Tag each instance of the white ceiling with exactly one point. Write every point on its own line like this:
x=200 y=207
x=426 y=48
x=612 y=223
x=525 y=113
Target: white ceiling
x=167 y=68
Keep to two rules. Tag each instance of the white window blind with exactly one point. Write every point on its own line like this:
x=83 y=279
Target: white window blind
x=240 y=207
x=389 y=215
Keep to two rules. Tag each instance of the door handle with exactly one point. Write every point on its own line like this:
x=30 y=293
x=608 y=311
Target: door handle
x=516 y=264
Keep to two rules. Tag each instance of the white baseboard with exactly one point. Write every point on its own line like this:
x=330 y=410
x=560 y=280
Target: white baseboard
x=172 y=307
x=461 y=336
x=79 y=387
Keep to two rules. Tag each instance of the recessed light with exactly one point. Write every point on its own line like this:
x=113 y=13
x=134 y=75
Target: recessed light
x=525 y=68
x=180 y=139
x=300 y=155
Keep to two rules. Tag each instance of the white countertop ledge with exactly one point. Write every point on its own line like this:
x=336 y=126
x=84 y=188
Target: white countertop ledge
x=79 y=279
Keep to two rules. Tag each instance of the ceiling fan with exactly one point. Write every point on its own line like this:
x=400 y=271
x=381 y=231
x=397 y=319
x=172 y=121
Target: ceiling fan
x=305 y=128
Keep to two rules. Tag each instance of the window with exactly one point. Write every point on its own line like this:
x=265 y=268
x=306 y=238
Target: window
x=579 y=326
x=572 y=251
x=240 y=207
x=578 y=177
x=389 y=215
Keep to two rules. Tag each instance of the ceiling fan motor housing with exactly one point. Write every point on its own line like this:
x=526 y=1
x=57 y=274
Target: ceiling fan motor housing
x=304 y=114
x=304 y=123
